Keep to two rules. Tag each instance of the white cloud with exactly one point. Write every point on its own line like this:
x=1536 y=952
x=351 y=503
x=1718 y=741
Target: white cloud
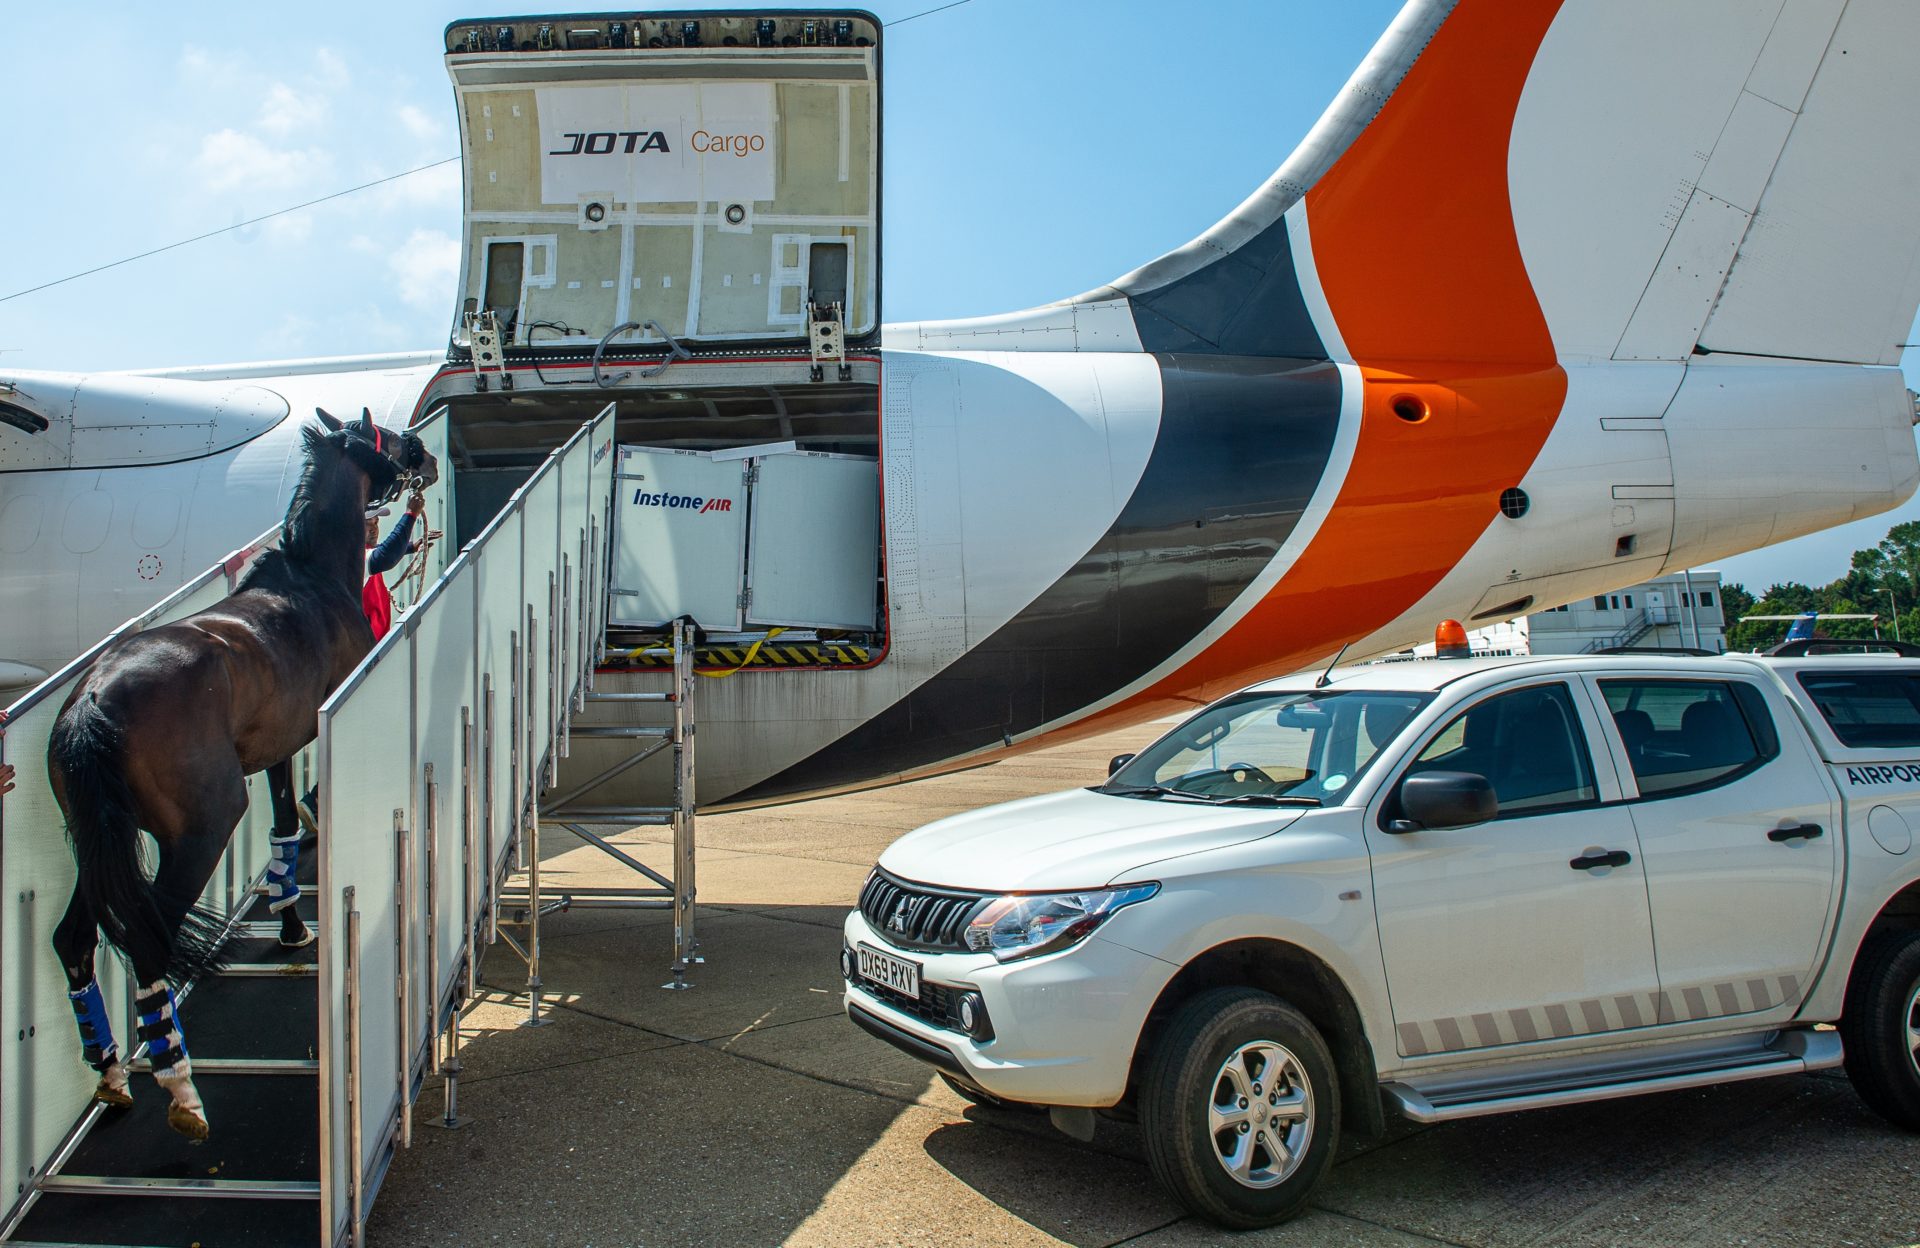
x=291 y=230
x=418 y=123
x=330 y=69
x=230 y=160
x=425 y=269
x=286 y=110
x=438 y=187
x=290 y=337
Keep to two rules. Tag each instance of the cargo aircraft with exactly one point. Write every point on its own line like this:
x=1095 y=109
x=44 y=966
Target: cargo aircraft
x=1557 y=295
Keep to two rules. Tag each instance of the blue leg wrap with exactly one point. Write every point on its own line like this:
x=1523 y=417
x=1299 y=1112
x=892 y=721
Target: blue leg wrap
x=160 y=1027
x=96 y=1031
x=282 y=889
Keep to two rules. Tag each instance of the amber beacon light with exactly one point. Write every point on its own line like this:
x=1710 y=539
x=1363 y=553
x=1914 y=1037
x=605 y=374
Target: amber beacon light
x=1450 y=640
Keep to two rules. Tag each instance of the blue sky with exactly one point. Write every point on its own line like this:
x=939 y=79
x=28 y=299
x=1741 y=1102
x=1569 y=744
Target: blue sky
x=1034 y=149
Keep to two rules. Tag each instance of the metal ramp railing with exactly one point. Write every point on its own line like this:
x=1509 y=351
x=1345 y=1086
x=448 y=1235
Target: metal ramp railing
x=429 y=761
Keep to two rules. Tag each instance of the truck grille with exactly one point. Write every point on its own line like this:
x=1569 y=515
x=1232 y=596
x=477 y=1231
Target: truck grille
x=916 y=916
x=935 y=1005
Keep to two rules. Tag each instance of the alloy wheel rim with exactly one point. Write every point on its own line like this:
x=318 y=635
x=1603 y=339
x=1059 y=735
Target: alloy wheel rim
x=1260 y=1114
x=1911 y=1016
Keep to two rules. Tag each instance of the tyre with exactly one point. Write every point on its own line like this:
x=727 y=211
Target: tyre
x=1240 y=1108
x=1881 y=1027
x=985 y=1099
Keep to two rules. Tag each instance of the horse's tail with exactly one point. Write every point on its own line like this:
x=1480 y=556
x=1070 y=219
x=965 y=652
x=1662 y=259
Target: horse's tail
x=87 y=749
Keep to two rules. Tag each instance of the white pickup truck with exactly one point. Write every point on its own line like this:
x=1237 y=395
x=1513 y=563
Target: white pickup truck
x=1437 y=889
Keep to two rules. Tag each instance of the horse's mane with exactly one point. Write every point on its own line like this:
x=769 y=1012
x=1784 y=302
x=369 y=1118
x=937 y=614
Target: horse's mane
x=304 y=532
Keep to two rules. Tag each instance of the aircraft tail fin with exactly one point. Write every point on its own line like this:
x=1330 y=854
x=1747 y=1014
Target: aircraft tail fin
x=1613 y=179
x=1802 y=628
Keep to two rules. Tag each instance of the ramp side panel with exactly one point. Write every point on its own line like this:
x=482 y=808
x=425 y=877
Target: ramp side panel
x=604 y=462
x=540 y=571
x=576 y=494
x=498 y=621
x=44 y=1084
x=364 y=780
x=445 y=674
x=433 y=433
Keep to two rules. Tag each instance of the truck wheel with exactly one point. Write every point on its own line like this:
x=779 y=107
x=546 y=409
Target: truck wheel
x=1240 y=1108
x=985 y=1099
x=1881 y=1027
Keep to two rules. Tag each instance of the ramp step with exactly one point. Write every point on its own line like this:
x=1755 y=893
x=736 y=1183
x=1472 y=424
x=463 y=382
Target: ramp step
x=285 y=970
x=158 y=1221
x=243 y=1066
x=1791 y=1054
x=637 y=816
x=599 y=730
x=107 y=1185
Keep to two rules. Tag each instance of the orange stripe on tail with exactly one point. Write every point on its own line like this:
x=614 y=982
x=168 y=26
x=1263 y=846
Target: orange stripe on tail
x=1414 y=242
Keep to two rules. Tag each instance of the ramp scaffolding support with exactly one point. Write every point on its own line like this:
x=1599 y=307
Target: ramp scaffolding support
x=671 y=890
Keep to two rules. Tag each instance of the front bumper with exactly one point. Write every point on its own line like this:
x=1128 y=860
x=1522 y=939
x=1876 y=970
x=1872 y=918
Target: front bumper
x=1064 y=1024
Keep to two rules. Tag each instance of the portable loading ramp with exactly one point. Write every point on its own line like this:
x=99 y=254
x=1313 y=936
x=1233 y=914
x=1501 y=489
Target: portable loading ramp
x=429 y=762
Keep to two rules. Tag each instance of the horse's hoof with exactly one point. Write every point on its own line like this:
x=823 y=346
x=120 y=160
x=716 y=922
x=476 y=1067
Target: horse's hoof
x=107 y=1094
x=305 y=938
x=187 y=1123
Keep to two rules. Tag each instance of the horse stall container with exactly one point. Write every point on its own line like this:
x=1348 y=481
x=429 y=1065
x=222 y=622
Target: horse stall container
x=749 y=538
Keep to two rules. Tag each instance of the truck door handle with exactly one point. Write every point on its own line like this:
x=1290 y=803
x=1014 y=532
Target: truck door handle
x=1798 y=831
x=1612 y=858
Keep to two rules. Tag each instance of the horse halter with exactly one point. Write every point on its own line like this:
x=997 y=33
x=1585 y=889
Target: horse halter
x=410 y=459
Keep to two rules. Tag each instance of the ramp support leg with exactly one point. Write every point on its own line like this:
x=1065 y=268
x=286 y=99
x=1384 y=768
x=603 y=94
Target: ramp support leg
x=531 y=830
x=450 y=1119
x=685 y=944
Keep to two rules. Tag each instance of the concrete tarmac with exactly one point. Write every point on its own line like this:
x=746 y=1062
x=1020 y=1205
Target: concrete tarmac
x=749 y=1111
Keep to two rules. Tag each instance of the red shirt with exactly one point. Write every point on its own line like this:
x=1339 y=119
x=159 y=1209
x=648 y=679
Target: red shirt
x=378 y=604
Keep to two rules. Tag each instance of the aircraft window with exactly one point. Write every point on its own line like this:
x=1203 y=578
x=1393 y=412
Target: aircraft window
x=1292 y=746
x=1527 y=743
x=1868 y=710
x=1687 y=735
x=22 y=419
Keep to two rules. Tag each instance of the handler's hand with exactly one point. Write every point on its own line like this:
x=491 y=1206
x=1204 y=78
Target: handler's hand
x=6 y=777
x=416 y=504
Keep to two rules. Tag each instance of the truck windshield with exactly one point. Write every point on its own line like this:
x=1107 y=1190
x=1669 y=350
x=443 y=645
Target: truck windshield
x=1305 y=746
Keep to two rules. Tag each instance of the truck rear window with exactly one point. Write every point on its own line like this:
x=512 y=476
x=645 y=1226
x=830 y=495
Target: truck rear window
x=1868 y=710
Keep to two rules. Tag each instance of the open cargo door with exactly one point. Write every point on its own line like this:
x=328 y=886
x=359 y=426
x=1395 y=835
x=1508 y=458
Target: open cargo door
x=694 y=178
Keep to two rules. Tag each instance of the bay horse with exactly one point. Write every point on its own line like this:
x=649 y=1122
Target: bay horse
x=165 y=727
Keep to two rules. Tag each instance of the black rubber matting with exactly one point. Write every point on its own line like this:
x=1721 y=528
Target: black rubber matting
x=269 y=949
x=172 y=1221
x=256 y=1016
x=263 y=1127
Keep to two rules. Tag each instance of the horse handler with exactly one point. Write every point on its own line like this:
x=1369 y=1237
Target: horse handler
x=376 y=601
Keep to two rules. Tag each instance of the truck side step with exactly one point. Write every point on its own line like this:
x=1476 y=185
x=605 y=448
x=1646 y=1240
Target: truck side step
x=1439 y=1100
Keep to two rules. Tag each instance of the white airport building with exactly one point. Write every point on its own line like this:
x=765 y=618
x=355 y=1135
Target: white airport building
x=1678 y=610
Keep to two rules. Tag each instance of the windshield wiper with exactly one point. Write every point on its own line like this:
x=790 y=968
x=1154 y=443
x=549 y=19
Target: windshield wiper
x=1148 y=790
x=1273 y=799
x=1211 y=799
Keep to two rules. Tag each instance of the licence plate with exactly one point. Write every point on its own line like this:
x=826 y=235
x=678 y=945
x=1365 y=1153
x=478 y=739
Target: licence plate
x=888 y=971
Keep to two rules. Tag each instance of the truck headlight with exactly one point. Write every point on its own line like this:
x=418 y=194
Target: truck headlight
x=1024 y=925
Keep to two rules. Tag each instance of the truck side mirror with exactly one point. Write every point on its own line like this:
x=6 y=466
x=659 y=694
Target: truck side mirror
x=1444 y=799
x=1117 y=762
